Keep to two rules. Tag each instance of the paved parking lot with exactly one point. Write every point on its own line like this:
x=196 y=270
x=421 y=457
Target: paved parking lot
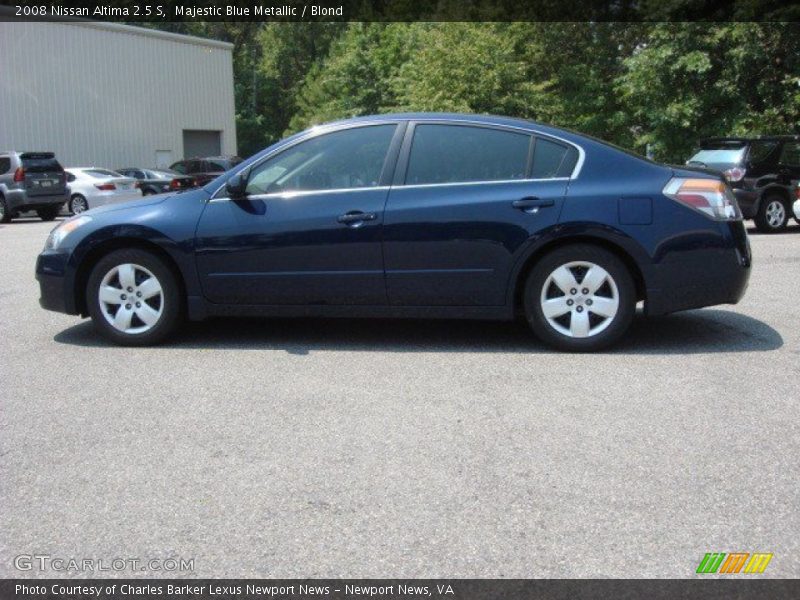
x=373 y=448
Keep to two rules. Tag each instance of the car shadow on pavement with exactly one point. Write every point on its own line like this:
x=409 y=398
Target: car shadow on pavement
x=698 y=331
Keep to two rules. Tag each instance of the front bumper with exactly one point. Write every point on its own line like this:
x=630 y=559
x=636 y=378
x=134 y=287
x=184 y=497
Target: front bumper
x=55 y=283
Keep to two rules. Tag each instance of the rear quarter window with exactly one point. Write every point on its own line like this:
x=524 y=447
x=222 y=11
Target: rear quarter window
x=551 y=159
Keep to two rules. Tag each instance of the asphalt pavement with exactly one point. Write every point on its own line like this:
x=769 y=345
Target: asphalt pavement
x=360 y=448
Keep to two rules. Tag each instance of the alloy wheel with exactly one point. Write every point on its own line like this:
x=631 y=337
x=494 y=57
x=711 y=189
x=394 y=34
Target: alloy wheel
x=776 y=214
x=131 y=298
x=79 y=205
x=580 y=299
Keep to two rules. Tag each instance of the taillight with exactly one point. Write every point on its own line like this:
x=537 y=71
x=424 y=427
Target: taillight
x=19 y=175
x=710 y=196
x=106 y=187
x=734 y=174
x=797 y=192
x=174 y=184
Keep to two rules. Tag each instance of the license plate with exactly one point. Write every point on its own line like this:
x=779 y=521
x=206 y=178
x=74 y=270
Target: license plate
x=125 y=186
x=45 y=183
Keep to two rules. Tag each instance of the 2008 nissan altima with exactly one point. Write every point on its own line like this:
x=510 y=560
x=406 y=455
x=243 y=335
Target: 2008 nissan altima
x=411 y=215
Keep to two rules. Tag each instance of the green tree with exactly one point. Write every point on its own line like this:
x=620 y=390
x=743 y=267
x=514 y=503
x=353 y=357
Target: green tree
x=691 y=80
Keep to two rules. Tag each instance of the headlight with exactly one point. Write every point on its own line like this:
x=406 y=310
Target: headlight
x=63 y=230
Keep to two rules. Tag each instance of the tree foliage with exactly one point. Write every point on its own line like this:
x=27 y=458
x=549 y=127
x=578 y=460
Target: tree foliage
x=635 y=84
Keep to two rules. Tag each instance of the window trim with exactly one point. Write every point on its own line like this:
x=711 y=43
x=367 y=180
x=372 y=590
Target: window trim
x=399 y=155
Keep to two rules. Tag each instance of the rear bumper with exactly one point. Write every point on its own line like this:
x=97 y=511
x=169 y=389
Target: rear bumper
x=20 y=201
x=748 y=202
x=54 y=283
x=706 y=277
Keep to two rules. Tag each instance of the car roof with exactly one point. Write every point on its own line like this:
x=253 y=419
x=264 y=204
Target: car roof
x=532 y=126
x=747 y=139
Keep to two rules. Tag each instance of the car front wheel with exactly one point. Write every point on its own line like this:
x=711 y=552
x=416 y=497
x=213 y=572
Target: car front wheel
x=580 y=298
x=773 y=214
x=133 y=298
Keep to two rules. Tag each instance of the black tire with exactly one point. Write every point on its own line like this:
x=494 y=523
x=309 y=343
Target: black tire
x=5 y=212
x=49 y=213
x=766 y=220
x=608 y=329
x=170 y=316
x=80 y=202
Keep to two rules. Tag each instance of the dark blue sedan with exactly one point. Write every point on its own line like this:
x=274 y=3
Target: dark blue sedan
x=412 y=215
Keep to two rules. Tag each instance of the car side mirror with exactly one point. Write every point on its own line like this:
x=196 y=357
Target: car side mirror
x=236 y=186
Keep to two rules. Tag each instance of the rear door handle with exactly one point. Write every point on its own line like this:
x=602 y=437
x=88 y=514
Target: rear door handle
x=532 y=203
x=354 y=218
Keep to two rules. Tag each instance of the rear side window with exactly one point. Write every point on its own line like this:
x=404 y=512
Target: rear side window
x=458 y=153
x=214 y=165
x=551 y=159
x=101 y=173
x=179 y=167
x=36 y=164
x=791 y=154
x=5 y=164
x=759 y=151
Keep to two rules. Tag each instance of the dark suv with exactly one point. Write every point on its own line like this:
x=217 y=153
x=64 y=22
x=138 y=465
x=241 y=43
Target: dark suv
x=31 y=181
x=763 y=172
x=205 y=169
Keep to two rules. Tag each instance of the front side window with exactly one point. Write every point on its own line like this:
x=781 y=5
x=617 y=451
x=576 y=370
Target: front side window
x=352 y=158
x=458 y=153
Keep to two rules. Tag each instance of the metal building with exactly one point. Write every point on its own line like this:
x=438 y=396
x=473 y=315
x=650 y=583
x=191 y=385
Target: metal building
x=110 y=95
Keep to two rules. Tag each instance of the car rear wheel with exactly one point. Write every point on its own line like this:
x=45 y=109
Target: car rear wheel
x=5 y=213
x=78 y=204
x=580 y=298
x=49 y=213
x=133 y=298
x=773 y=214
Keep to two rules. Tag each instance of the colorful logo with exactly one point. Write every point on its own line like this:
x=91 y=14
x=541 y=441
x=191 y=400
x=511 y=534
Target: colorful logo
x=734 y=562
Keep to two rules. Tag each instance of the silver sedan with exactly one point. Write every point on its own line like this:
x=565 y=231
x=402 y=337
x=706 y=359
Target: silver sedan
x=91 y=187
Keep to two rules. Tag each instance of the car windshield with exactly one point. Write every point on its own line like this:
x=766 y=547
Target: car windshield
x=716 y=158
x=161 y=174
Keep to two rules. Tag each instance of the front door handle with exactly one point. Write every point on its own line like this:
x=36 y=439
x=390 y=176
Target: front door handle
x=355 y=218
x=532 y=203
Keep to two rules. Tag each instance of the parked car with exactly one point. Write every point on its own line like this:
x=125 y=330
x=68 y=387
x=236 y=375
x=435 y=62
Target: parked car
x=204 y=170
x=31 y=181
x=91 y=187
x=796 y=206
x=763 y=172
x=158 y=181
x=415 y=215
